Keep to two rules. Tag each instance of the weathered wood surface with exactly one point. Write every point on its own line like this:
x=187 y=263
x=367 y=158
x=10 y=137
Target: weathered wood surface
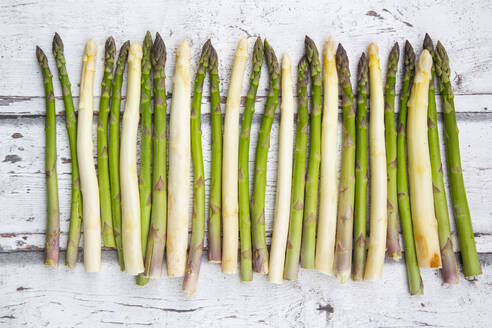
x=33 y=295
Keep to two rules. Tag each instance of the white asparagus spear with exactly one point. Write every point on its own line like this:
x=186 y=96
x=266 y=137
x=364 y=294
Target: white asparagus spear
x=377 y=156
x=284 y=176
x=130 y=206
x=178 y=215
x=419 y=169
x=230 y=145
x=328 y=202
x=88 y=178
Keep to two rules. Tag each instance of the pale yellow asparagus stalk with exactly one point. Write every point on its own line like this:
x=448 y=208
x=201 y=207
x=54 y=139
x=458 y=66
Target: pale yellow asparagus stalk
x=377 y=159
x=88 y=178
x=230 y=153
x=328 y=193
x=419 y=169
x=130 y=206
x=284 y=176
x=178 y=215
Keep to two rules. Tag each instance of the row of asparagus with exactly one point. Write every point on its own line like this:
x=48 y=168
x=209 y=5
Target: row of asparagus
x=142 y=215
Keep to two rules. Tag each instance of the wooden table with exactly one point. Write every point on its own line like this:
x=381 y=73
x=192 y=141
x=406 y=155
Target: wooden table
x=34 y=295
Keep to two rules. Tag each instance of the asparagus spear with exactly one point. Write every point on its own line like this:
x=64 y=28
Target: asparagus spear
x=145 y=177
x=198 y=217
x=312 y=175
x=53 y=218
x=471 y=264
x=114 y=149
x=156 y=240
x=102 y=145
x=230 y=205
x=260 y=251
x=378 y=215
x=71 y=120
x=343 y=248
x=328 y=190
x=298 y=175
x=413 y=272
x=88 y=176
x=419 y=168
x=392 y=234
x=215 y=201
x=284 y=177
x=360 y=208
x=243 y=178
x=449 y=266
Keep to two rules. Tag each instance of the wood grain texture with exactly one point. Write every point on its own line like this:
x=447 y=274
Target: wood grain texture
x=30 y=296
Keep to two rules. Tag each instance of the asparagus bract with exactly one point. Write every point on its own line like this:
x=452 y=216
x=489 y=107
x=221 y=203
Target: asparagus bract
x=448 y=258
x=243 y=178
x=88 y=176
x=469 y=256
x=360 y=205
x=312 y=175
x=230 y=207
x=179 y=165
x=284 y=176
x=419 y=173
x=328 y=190
x=114 y=149
x=71 y=123
x=343 y=246
x=198 y=217
x=102 y=145
x=53 y=216
x=298 y=175
x=260 y=250
x=377 y=156
x=413 y=272
x=393 y=234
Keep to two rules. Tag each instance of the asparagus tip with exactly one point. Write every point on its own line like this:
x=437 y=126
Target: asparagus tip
x=363 y=65
x=57 y=43
x=41 y=56
x=213 y=59
x=341 y=55
x=428 y=42
x=158 y=51
x=110 y=46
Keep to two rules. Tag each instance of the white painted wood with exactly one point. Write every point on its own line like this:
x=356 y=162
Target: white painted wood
x=33 y=295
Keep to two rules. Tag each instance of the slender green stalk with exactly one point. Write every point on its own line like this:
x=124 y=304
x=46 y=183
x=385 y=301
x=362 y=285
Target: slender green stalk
x=415 y=283
x=156 y=240
x=194 y=259
x=298 y=175
x=145 y=176
x=53 y=218
x=312 y=176
x=345 y=220
x=448 y=258
x=360 y=208
x=114 y=148
x=215 y=201
x=260 y=250
x=102 y=145
x=392 y=234
x=469 y=256
x=71 y=124
x=243 y=178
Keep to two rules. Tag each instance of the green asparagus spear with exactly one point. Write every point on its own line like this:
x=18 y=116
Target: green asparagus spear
x=71 y=119
x=114 y=148
x=298 y=175
x=215 y=208
x=471 y=264
x=393 y=234
x=360 y=209
x=260 y=250
x=243 y=178
x=53 y=226
x=343 y=246
x=102 y=145
x=415 y=283
x=448 y=258
x=312 y=176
